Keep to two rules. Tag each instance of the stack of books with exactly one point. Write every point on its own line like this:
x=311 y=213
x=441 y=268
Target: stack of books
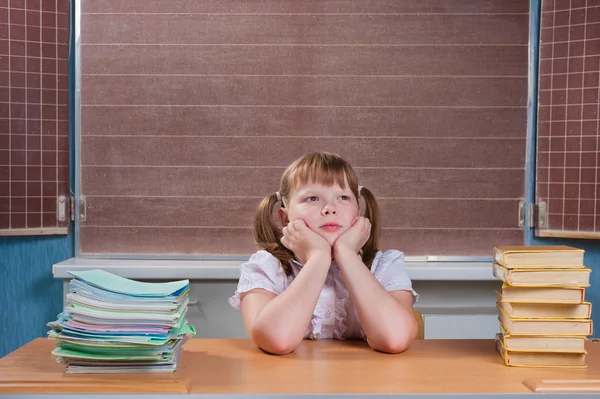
x=111 y=324
x=541 y=307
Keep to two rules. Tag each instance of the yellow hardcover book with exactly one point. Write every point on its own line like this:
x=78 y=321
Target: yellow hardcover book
x=544 y=326
x=543 y=294
x=553 y=277
x=545 y=310
x=539 y=359
x=540 y=256
x=542 y=343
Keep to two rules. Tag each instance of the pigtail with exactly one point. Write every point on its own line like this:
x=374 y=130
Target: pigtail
x=371 y=247
x=267 y=233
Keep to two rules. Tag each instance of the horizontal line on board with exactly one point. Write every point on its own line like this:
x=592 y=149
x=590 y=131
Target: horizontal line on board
x=567 y=9
x=568 y=152
x=53 y=182
x=568 y=120
x=304 y=75
x=42 y=120
x=567 y=73
x=30 y=150
x=567 y=26
x=285 y=166
x=35 y=58
x=569 y=199
x=571 y=136
x=569 y=58
x=573 y=214
x=581 y=88
x=32 y=103
x=83 y=225
x=37 y=134
x=36 y=42
x=304 y=106
x=29 y=213
x=588 y=39
x=302 y=137
x=38 y=36
x=87 y=195
x=303 y=13
x=566 y=167
x=564 y=183
x=33 y=88
x=36 y=10
x=316 y=44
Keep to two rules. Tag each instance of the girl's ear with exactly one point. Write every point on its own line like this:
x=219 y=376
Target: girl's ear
x=283 y=215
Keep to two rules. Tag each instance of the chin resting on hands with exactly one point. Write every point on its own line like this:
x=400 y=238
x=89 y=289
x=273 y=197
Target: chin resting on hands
x=303 y=242
x=355 y=237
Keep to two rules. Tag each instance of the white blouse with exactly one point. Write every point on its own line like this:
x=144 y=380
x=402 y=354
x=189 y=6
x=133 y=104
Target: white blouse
x=335 y=316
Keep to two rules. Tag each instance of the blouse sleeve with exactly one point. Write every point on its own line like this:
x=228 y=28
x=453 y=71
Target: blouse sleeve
x=391 y=273
x=261 y=271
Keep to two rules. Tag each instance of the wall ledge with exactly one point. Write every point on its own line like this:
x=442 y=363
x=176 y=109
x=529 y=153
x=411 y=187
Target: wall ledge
x=229 y=269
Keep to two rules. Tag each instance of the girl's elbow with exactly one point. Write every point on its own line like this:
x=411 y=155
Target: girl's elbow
x=393 y=344
x=278 y=347
x=275 y=344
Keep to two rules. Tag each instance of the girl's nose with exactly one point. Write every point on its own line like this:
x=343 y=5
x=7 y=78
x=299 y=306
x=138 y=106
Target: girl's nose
x=328 y=210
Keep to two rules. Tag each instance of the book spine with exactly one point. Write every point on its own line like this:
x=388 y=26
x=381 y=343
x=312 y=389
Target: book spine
x=500 y=273
x=499 y=256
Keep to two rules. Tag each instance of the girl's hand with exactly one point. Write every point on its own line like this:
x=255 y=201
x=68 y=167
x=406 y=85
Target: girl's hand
x=304 y=242
x=353 y=239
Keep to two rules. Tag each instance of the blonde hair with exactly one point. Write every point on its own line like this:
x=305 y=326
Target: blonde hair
x=321 y=168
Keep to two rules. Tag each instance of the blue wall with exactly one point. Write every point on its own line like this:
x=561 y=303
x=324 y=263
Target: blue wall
x=29 y=295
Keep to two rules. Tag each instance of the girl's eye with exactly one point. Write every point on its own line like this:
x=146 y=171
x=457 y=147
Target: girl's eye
x=312 y=199
x=345 y=197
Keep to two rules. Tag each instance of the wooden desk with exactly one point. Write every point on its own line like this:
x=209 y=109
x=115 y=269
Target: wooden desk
x=229 y=366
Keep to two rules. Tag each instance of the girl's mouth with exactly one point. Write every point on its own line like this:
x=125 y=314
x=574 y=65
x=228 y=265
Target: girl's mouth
x=330 y=227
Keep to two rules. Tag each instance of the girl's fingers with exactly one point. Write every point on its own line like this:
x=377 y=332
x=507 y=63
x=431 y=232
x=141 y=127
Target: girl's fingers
x=366 y=223
x=292 y=227
x=299 y=224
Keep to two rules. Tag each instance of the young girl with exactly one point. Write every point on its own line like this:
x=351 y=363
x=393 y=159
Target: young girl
x=320 y=274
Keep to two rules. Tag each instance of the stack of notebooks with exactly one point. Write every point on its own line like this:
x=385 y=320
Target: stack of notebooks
x=541 y=307
x=111 y=324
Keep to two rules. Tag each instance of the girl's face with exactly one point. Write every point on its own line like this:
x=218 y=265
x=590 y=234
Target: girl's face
x=328 y=211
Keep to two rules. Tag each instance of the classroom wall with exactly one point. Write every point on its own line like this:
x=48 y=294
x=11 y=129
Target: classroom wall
x=30 y=296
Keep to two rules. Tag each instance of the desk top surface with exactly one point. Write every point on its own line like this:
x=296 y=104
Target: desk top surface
x=236 y=366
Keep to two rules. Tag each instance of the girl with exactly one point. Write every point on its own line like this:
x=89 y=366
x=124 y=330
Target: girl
x=319 y=274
